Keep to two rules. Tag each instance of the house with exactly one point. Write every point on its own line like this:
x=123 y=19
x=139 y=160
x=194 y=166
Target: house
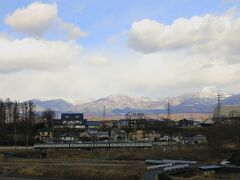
x=136 y=136
x=177 y=139
x=137 y=123
x=44 y=134
x=85 y=136
x=122 y=123
x=69 y=137
x=165 y=138
x=94 y=124
x=152 y=136
x=99 y=135
x=207 y=122
x=135 y=120
x=74 y=120
x=189 y=123
x=118 y=135
x=57 y=123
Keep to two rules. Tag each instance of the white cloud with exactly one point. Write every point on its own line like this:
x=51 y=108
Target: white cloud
x=29 y=53
x=37 y=18
x=199 y=34
x=74 y=32
x=34 y=19
x=97 y=59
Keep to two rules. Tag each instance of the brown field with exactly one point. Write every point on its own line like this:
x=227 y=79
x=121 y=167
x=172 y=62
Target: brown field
x=115 y=164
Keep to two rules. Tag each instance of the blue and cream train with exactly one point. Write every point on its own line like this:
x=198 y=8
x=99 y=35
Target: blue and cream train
x=92 y=145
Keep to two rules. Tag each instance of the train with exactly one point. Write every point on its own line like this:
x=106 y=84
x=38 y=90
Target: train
x=90 y=145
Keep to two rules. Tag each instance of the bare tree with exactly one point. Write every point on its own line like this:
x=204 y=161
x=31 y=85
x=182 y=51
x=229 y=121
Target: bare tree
x=2 y=112
x=49 y=115
x=16 y=115
x=31 y=113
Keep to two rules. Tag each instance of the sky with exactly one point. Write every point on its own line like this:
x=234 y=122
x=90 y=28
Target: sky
x=87 y=49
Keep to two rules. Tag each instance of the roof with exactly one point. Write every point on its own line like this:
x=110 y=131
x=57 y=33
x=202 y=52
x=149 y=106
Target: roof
x=94 y=123
x=69 y=134
x=209 y=167
x=44 y=129
x=72 y=115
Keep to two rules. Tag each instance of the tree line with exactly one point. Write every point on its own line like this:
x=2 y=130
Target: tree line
x=17 y=122
x=16 y=112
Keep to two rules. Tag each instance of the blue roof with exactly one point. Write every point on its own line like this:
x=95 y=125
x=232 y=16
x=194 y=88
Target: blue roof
x=208 y=167
x=94 y=123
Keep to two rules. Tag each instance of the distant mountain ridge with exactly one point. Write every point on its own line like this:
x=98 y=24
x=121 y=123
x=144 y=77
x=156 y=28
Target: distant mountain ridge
x=202 y=101
x=58 y=105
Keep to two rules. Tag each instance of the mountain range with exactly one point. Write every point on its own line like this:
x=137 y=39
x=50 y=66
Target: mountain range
x=203 y=101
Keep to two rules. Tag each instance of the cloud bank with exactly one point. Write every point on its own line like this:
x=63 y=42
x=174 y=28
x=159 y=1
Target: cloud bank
x=209 y=34
x=32 y=54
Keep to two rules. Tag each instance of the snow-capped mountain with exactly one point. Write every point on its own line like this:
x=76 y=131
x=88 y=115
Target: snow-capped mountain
x=58 y=105
x=208 y=92
x=200 y=101
x=119 y=101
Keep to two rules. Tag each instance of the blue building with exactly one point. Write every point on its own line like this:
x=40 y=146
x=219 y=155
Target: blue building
x=74 y=120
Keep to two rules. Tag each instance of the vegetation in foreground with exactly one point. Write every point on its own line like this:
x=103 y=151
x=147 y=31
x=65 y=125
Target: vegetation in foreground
x=114 y=164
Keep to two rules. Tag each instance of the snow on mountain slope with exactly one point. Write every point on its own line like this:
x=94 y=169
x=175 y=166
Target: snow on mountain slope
x=199 y=101
x=56 y=105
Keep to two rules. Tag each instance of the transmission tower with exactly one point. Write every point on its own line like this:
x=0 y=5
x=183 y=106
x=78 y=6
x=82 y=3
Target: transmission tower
x=218 y=107
x=168 y=110
x=104 y=113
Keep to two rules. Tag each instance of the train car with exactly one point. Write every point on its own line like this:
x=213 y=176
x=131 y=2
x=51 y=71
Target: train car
x=101 y=145
x=94 y=145
x=52 y=145
x=81 y=145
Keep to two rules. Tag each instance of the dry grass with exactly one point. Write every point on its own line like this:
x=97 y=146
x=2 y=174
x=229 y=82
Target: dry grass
x=115 y=164
x=235 y=176
x=96 y=172
x=199 y=153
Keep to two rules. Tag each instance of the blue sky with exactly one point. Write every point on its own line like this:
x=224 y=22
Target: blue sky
x=104 y=19
x=137 y=47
